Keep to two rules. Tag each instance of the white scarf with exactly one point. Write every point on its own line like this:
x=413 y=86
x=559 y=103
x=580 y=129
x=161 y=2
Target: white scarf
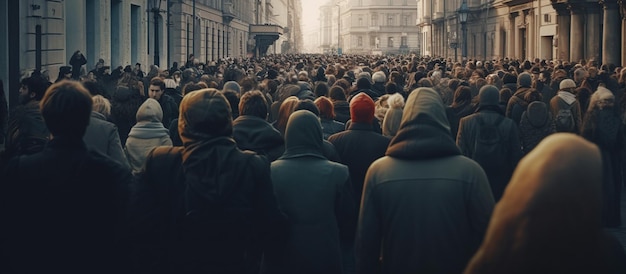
x=568 y=97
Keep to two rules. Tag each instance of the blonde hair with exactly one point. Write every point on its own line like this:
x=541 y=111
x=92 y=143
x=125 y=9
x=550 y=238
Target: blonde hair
x=101 y=105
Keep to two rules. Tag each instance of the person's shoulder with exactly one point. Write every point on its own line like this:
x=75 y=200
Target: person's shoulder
x=100 y=161
x=469 y=118
x=337 y=137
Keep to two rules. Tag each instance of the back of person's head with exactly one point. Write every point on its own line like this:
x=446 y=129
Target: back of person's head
x=66 y=109
x=601 y=98
x=343 y=84
x=232 y=85
x=509 y=78
x=488 y=96
x=379 y=77
x=567 y=85
x=253 y=103
x=580 y=74
x=396 y=100
x=233 y=100
x=93 y=87
x=425 y=83
x=321 y=89
x=505 y=95
x=101 y=105
x=286 y=108
x=362 y=109
x=462 y=95
x=549 y=218
x=391 y=88
x=309 y=105
x=337 y=93
x=189 y=87
x=36 y=85
x=204 y=114
x=365 y=75
x=325 y=106
x=150 y=111
x=524 y=80
x=363 y=83
x=248 y=84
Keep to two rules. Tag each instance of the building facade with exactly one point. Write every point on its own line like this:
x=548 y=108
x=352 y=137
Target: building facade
x=494 y=29
x=524 y=29
x=369 y=26
x=43 y=34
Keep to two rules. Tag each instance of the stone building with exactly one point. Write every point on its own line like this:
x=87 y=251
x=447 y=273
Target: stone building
x=495 y=29
x=369 y=26
x=43 y=34
x=525 y=29
x=591 y=30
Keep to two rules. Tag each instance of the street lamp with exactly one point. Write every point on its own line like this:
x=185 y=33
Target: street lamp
x=156 y=10
x=463 y=13
x=338 y=29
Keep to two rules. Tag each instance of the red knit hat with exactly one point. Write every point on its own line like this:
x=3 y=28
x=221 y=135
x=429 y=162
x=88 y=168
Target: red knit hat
x=362 y=108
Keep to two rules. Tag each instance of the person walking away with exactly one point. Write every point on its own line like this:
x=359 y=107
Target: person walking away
x=64 y=208
x=603 y=127
x=549 y=219
x=425 y=207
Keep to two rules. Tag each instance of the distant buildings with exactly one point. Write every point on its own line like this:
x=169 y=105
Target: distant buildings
x=369 y=26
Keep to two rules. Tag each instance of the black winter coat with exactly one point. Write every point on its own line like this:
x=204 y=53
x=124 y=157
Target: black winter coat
x=342 y=111
x=210 y=208
x=500 y=171
x=358 y=147
x=254 y=133
x=63 y=211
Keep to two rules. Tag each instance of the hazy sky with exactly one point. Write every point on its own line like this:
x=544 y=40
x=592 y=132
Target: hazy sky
x=311 y=14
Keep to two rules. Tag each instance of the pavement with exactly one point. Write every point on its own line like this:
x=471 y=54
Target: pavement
x=620 y=233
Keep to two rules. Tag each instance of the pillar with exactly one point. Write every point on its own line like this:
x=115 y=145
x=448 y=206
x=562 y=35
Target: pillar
x=593 y=31
x=531 y=35
x=577 y=32
x=623 y=63
x=611 y=33
x=563 y=22
x=512 y=31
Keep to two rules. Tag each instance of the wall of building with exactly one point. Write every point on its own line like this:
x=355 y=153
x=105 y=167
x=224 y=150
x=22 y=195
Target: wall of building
x=367 y=26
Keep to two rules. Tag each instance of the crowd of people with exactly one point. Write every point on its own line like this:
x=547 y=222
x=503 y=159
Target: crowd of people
x=315 y=164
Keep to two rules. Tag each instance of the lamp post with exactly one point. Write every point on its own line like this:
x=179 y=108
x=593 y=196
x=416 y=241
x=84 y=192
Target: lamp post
x=338 y=29
x=463 y=13
x=156 y=9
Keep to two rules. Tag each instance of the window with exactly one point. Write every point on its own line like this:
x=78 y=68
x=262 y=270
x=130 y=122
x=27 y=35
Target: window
x=404 y=42
x=407 y=20
x=359 y=41
x=372 y=41
x=390 y=42
x=547 y=18
x=374 y=22
x=360 y=21
x=390 y=20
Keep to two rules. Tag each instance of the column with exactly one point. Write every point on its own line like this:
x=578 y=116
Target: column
x=611 y=32
x=563 y=22
x=512 y=31
x=623 y=63
x=577 y=29
x=593 y=31
x=531 y=35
